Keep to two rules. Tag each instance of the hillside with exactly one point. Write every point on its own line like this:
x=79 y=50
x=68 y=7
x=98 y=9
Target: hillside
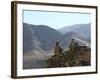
x=66 y=39
x=46 y=35
x=39 y=35
x=39 y=42
x=70 y=59
x=42 y=36
x=82 y=29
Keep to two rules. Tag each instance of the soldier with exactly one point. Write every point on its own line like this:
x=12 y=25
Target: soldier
x=57 y=49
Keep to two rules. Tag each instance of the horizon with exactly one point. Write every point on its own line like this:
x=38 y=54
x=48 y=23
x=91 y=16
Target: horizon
x=58 y=28
x=55 y=20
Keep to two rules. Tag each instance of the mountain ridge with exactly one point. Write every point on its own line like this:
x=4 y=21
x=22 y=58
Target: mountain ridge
x=45 y=36
x=39 y=42
x=82 y=29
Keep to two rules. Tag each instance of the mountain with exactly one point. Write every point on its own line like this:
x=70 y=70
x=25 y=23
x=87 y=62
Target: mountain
x=39 y=41
x=67 y=38
x=30 y=41
x=46 y=35
x=43 y=37
x=82 y=29
x=39 y=35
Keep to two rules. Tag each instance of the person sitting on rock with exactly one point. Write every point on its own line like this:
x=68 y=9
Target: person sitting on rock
x=57 y=49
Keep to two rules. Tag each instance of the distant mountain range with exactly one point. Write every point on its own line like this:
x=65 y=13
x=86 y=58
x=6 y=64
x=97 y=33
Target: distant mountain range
x=39 y=40
x=81 y=29
x=39 y=35
x=44 y=37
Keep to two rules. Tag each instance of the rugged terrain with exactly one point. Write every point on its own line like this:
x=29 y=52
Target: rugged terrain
x=81 y=57
x=39 y=42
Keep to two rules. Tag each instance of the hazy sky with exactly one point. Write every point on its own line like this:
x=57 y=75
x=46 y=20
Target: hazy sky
x=55 y=20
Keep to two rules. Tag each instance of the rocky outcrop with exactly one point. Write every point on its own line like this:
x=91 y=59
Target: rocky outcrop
x=68 y=58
